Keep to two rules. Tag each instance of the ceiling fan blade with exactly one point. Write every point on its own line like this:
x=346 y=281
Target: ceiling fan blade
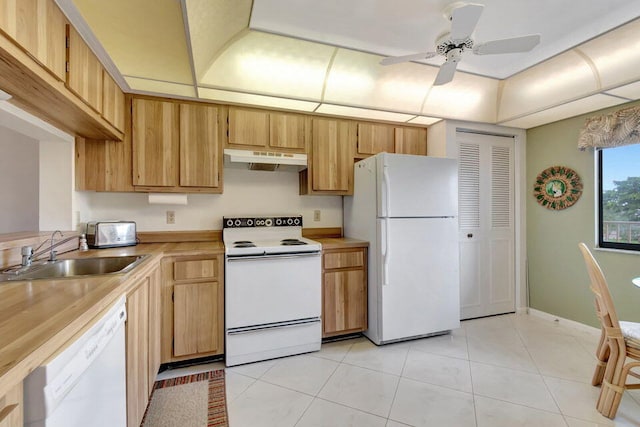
x=445 y=75
x=414 y=57
x=464 y=20
x=513 y=45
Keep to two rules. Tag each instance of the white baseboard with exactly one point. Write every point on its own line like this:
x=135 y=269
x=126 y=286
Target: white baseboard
x=566 y=322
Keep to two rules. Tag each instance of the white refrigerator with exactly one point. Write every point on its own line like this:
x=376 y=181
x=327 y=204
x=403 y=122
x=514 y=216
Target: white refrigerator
x=406 y=207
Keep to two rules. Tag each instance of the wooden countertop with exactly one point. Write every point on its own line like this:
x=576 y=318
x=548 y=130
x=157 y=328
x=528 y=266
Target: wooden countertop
x=38 y=317
x=341 y=243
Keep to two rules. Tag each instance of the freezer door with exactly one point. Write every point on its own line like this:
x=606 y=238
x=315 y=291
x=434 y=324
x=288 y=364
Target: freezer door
x=419 y=284
x=416 y=186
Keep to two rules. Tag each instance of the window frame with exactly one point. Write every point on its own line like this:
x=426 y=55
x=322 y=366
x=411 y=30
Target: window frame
x=601 y=243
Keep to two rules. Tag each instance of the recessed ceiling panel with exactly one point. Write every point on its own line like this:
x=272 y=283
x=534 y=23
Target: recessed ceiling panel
x=250 y=99
x=561 y=79
x=561 y=112
x=467 y=97
x=402 y=27
x=267 y=64
x=213 y=24
x=423 y=120
x=363 y=113
x=357 y=79
x=144 y=38
x=616 y=55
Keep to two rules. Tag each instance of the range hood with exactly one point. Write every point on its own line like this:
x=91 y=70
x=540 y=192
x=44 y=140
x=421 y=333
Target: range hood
x=266 y=160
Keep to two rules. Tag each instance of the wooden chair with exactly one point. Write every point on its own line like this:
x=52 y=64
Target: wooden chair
x=618 y=341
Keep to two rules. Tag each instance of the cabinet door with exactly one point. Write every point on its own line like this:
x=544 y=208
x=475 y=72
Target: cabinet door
x=155 y=143
x=137 y=332
x=344 y=299
x=375 y=138
x=84 y=73
x=39 y=27
x=287 y=132
x=155 y=312
x=411 y=141
x=196 y=324
x=333 y=145
x=113 y=104
x=11 y=407
x=199 y=146
x=248 y=127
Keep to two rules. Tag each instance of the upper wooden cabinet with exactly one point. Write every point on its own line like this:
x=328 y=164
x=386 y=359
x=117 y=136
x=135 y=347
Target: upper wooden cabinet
x=155 y=143
x=113 y=103
x=84 y=71
x=176 y=147
x=199 y=147
x=268 y=130
x=38 y=26
x=375 y=138
x=411 y=141
x=332 y=151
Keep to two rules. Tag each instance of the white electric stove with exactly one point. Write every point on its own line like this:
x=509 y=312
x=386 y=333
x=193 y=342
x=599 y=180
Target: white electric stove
x=272 y=289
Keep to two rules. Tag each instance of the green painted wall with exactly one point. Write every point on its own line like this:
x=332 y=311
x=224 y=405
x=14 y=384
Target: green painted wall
x=558 y=281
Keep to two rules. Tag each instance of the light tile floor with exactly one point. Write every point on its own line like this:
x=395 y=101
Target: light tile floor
x=510 y=370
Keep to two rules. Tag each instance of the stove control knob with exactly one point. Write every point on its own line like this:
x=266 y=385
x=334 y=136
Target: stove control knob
x=237 y=223
x=289 y=221
x=296 y=221
x=268 y=222
x=250 y=222
x=278 y=221
x=229 y=223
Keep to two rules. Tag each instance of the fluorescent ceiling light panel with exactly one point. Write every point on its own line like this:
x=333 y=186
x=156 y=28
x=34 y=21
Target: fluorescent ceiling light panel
x=358 y=78
x=251 y=99
x=160 y=88
x=339 y=110
x=616 y=55
x=213 y=24
x=423 y=120
x=630 y=91
x=571 y=109
x=467 y=97
x=552 y=82
x=272 y=65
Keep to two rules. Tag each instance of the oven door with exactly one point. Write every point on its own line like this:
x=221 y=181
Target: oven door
x=269 y=289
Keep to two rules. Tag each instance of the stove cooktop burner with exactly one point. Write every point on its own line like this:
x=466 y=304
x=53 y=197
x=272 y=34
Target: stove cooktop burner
x=291 y=242
x=244 y=244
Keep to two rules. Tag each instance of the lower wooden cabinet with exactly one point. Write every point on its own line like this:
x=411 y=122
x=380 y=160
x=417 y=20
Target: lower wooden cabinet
x=192 y=307
x=344 y=291
x=11 y=408
x=142 y=345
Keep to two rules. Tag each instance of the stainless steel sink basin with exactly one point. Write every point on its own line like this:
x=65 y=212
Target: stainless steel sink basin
x=78 y=267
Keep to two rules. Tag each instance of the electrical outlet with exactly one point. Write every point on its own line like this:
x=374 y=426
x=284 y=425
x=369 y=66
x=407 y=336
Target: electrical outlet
x=316 y=215
x=171 y=217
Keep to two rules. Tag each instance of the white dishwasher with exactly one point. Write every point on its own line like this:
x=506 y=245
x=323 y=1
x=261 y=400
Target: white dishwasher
x=84 y=384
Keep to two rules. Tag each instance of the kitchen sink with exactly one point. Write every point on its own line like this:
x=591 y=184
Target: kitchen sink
x=77 y=267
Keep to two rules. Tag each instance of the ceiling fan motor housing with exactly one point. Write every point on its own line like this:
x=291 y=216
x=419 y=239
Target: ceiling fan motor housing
x=446 y=46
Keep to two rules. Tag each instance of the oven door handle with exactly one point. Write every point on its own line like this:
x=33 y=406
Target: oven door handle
x=270 y=326
x=273 y=256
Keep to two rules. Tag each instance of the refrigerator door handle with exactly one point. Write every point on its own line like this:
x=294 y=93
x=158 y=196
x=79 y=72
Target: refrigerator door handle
x=386 y=253
x=386 y=189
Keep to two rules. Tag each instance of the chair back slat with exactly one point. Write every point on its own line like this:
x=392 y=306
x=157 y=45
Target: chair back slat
x=604 y=303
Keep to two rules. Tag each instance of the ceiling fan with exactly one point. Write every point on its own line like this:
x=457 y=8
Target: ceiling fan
x=453 y=43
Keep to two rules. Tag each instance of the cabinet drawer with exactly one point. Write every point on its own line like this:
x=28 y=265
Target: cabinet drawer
x=195 y=269
x=344 y=259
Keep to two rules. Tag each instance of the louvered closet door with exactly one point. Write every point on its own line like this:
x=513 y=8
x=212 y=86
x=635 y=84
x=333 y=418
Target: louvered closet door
x=486 y=224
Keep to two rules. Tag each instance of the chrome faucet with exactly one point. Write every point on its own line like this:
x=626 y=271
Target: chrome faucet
x=27 y=256
x=52 y=253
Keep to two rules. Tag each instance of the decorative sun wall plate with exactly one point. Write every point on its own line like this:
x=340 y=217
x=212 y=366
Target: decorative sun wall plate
x=557 y=187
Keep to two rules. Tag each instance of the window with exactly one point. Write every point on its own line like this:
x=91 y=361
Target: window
x=619 y=197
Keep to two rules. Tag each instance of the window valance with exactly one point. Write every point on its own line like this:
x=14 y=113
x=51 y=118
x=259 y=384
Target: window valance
x=621 y=127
